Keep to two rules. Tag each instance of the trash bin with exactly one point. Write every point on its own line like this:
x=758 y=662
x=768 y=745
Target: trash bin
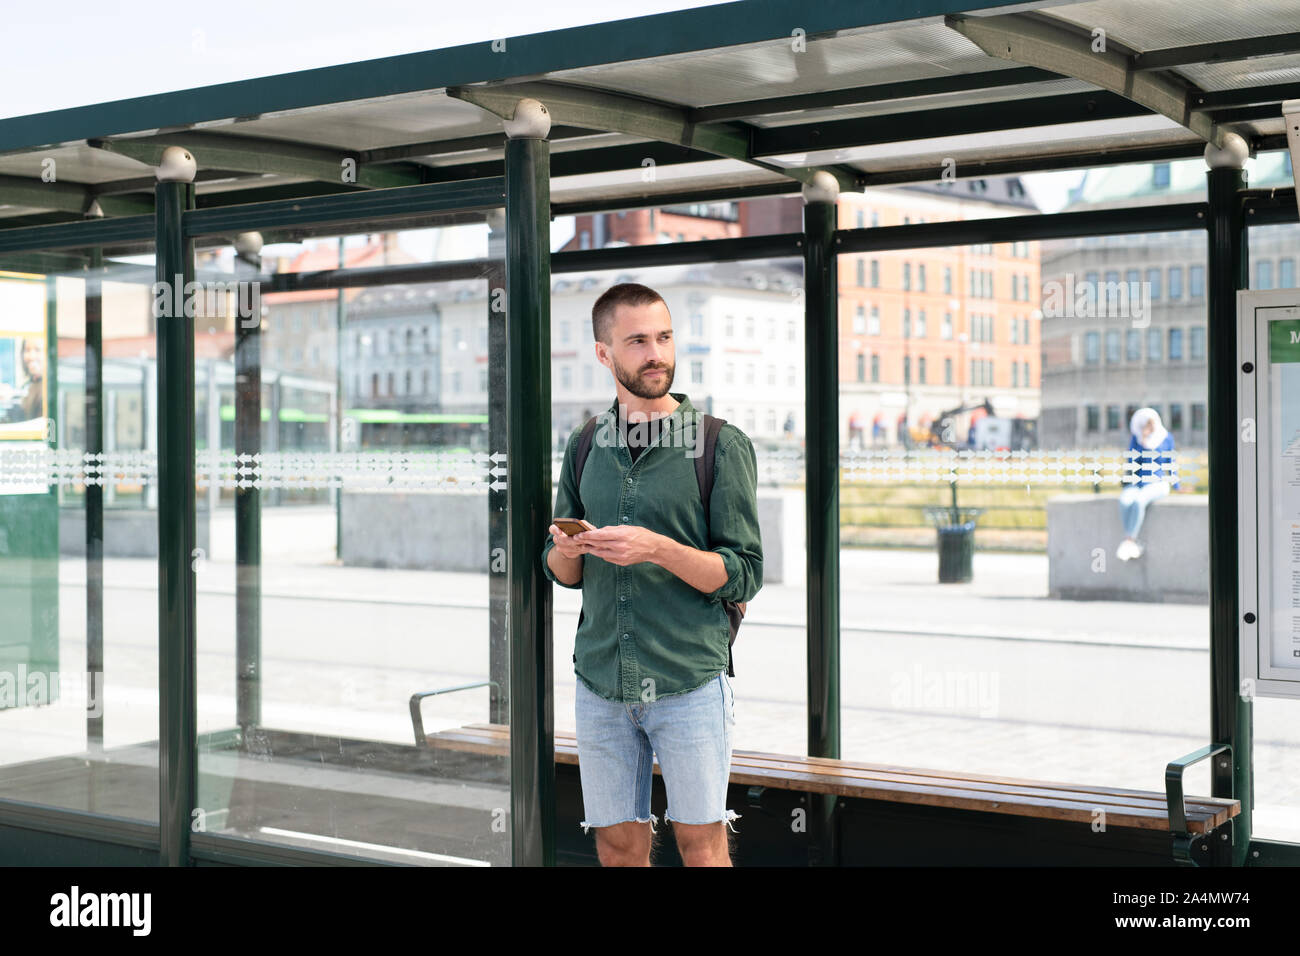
x=955 y=538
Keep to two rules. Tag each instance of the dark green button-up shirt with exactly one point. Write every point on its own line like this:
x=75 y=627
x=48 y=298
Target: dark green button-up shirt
x=644 y=633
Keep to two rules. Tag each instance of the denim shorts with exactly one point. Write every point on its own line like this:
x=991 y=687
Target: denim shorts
x=689 y=733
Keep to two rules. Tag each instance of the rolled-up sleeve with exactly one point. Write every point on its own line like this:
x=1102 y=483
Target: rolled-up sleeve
x=567 y=505
x=733 y=517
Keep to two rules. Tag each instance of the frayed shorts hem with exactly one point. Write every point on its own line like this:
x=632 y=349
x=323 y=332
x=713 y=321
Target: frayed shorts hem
x=652 y=820
x=730 y=816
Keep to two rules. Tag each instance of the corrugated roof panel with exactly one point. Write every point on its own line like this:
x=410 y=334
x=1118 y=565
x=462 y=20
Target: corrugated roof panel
x=734 y=74
x=1160 y=24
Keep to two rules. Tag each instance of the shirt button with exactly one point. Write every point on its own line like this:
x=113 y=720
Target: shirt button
x=622 y=597
x=629 y=481
x=625 y=637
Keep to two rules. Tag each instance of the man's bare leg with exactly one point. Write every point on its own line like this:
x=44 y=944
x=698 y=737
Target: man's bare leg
x=624 y=844
x=703 y=844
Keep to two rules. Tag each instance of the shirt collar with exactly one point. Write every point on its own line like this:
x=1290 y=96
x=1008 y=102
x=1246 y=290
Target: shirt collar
x=684 y=416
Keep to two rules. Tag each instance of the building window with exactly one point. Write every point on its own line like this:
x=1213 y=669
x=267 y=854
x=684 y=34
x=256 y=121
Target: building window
x=860 y=320
x=697 y=324
x=862 y=367
x=730 y=377
x=749 y=374
x=1112 y=346
x=771 y=375
x=1175 y=417
x=920 y=324
x=1132 y=346
x=920 y=276
x=586 y=376
x=1175 y=345
x=771 y=330
x=1153 y=283
x=1160 y=176
x=792 y=331
x=1024 y=377
x=566 y=378
x=947 y=371
x=792 y=376
x=374 y=385
x=729 y=325
x=1286 y=274
x=875 y=273
x=1264 y=274
x=1198 y=417
x=1112 y=418
x=862 y=276
x=1091 y=347
x=1175 y=282
x=1015 y=331
x=564 y=332
x=697 y=372
x=1092 y=416
x=1196 y=281
x=945 y=330
x=947 y=280
x=1155 y=342
x=749 y=328
x=920 y=370
x=1196 y=343
x=907 y=370
x=1015 y=374
x=875 y=368
x=861 y=219
x=875 y=219
x=873 y=323
x=907 y=276
x=907 y=323
x=1024 y=339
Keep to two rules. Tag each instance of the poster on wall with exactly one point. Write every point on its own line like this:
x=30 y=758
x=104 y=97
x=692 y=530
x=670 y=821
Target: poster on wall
x=1269 y=504
x=1284 y=462
x=23 y=395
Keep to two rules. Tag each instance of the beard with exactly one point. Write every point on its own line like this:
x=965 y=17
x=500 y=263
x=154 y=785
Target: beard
x=637 y=384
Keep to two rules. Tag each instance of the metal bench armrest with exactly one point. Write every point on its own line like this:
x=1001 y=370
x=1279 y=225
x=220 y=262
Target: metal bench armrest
x=417 y=720
x=1174 y=797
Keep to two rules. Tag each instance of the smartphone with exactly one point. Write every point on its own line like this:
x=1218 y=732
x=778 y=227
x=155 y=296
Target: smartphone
x=573 y=525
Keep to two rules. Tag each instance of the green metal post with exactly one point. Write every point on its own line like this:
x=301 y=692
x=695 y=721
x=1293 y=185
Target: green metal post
x=822 y=380
x=340 y=319
x=177 y=712
x=1230 y=719
x=528 y=485
x=497 y=498
x=94 y=406
x=248 y=499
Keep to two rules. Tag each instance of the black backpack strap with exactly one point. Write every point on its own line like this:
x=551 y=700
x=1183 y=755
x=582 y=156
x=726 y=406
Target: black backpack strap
x=704 y=463
x=580 y=455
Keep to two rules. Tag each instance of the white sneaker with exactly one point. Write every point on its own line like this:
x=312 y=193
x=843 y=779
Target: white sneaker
x=1127 y=550
x=1138 y=549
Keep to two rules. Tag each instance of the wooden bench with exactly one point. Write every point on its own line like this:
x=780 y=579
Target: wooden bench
x=1138 y=809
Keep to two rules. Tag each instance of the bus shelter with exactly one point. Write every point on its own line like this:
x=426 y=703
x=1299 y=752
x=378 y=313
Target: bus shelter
x=167 y=202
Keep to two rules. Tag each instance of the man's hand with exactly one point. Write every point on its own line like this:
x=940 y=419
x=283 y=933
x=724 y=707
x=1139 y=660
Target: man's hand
x=623 y=544
x=568 y=545
x=565 y=558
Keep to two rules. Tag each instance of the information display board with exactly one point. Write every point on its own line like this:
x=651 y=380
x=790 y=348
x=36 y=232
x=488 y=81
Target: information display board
x=1268 y=349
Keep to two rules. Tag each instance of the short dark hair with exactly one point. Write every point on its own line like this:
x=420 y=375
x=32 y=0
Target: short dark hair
x=625 y=293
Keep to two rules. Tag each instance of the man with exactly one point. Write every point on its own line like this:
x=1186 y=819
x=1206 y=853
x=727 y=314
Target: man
x=652 y=641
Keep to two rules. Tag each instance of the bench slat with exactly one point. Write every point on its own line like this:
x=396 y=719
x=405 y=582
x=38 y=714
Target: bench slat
x=1045 y=799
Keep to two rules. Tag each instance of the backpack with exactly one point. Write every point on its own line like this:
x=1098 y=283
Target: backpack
x=704 y=466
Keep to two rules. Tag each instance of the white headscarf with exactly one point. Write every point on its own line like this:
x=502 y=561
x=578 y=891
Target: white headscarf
x=1139 y=421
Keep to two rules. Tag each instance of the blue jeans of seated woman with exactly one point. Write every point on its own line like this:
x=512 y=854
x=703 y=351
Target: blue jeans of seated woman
x=1133 y=501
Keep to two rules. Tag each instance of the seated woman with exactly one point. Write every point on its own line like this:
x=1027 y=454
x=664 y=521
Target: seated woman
x=1154 y=474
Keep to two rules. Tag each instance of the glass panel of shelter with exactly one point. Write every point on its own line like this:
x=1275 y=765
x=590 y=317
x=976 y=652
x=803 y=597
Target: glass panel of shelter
x=368 y=489
x=78 y=643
